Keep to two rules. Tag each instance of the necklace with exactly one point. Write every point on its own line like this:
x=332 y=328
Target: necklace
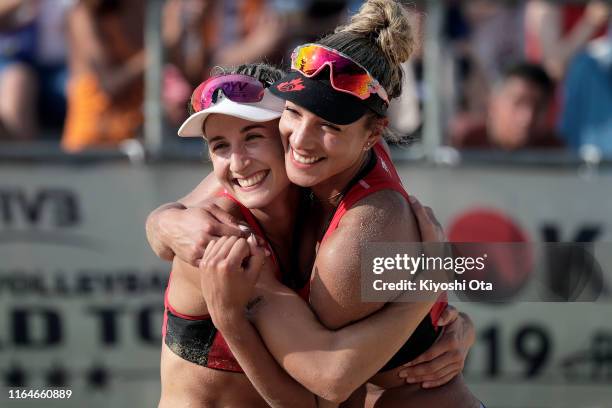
x=338 y=195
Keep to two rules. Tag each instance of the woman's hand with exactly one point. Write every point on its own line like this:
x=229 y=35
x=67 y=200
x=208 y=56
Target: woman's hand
x=446 y=357
x=229 y=270
x=174 y=230
x=431 y=230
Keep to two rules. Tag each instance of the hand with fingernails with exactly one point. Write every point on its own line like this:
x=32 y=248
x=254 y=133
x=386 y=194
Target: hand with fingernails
x=445 y=359
x=187 y=231
x=229 y=271
x=430 y=227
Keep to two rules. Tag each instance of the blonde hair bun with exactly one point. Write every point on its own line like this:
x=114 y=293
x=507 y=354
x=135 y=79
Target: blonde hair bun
x=386 y=22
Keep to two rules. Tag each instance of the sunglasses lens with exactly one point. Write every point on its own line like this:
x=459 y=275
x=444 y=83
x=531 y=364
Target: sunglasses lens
x=196 y=98
x=310 y=59
x=346 y=75
x=357 y=84
x=237 y=88
x=350 y=76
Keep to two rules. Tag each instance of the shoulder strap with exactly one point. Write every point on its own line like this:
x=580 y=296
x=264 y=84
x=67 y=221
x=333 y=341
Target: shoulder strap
x=250 y=219
x=382 y=176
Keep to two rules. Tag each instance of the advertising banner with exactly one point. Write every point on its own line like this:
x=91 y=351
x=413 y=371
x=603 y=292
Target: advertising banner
x=81 y=293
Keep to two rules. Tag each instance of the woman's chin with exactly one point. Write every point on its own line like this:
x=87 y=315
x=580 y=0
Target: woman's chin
x=302 y=179
x=254 y=200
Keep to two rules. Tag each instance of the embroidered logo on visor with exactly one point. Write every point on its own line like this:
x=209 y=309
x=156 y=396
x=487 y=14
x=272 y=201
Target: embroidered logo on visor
x=294 y=85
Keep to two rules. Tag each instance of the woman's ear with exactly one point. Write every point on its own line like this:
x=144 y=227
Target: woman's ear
x=377 y=128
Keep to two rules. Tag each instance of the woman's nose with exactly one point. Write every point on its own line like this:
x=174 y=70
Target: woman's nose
x=239 y=161
x=302 y=137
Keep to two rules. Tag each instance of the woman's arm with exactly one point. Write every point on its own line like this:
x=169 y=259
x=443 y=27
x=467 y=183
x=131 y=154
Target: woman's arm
x=331 y=364
x=184 y=228
x=446 y=357
x=267 y=376
x=544 y=19
x=227 y=280
x=269 y=379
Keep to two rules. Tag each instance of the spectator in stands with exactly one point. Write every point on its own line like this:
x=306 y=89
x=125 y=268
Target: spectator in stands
x=482 y=40
x=516 y=114
x=556 y=31
x=18 y=84
x=52 y=65
x=495 y=35
x=587 y=98
x=200 y=35
x=107 y=62
x=32 y=68
x=312 y=19
x=184 y=37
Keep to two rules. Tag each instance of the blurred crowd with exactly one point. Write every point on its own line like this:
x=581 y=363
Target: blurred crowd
x=529 y=74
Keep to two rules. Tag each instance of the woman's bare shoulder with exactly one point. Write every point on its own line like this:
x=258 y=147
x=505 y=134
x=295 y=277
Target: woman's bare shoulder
x=385 y=215
x=335 y=294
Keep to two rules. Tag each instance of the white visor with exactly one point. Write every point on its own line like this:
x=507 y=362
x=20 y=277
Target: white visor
x=269 y=108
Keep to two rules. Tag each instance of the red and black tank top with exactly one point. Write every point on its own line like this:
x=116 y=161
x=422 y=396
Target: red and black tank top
x=384 y=176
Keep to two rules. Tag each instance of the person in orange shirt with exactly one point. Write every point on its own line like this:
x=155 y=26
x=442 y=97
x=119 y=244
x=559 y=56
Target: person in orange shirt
x=107 y=62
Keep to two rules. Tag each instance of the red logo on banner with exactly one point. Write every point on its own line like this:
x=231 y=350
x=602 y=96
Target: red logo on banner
x=508 y=267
